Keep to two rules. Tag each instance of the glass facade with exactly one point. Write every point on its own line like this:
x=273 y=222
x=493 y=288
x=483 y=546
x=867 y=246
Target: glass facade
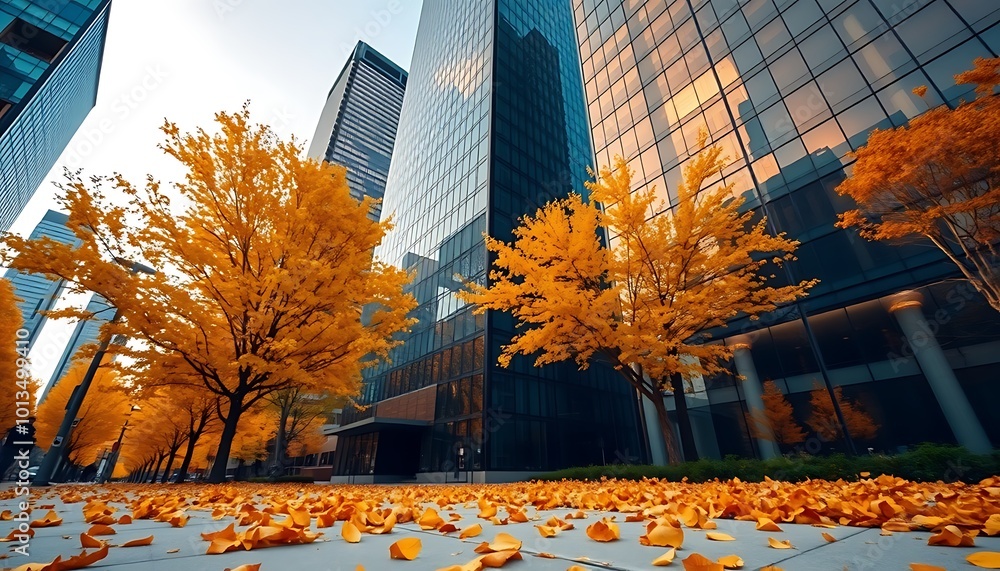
x=86 y=332
x=493 y=126
x=36 y=292
x=50 y=62
x=357 y=128
x=788 y=88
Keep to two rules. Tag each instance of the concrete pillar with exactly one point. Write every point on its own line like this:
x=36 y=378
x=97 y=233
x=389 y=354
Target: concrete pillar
x=657 y=446
x=906 y=308
x=753 y=393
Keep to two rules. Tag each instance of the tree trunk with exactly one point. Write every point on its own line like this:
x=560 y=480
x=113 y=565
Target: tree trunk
x=218 y=473
x=279 y=442
x=188 y=454
x=683 y=419
x=156 y=470
x=673 y=455
x=170 y=464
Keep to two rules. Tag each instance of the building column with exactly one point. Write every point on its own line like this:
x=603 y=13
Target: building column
x=753 y=393
x=906 y=308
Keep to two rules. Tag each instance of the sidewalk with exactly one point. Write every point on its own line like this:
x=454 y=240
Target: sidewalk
x=855 y=549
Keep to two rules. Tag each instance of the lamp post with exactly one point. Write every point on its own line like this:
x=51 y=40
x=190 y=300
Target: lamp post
x=54 y=456
x=109 y=467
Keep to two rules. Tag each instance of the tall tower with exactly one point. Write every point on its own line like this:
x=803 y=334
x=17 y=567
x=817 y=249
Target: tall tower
x=789 y=88
x=85 y=333
x=50 y=62
x=357 y=128
x=493 y=126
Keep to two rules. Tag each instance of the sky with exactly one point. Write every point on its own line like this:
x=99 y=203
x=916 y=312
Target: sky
x=185 y=60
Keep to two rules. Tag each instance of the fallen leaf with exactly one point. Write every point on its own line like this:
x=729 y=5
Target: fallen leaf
x=101 y=529
x=247 y=567
x=698 y=562
x=662 y=535
x=779 y=544
x=138 y=542
x=174 y=550
x=471 y=531
x=125 y=519
x=407 y=548
x=499 y=558
x=717 y=536
x=350 y=532
x=731 y=561
x=925 y=567
x=603 y=530
x=50 y=520
x=502 y=542
x=828 y=537
x=546 y=531
x=665 y=559
x=985 y=559
x=87 y=541
x=767 y=524
x=952 y=536
x=992 y=525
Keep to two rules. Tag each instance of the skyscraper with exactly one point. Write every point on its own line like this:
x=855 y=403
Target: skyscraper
x=37 y=293
x=50 y=63
x=357 y=128
x=84 y=333
x=788 y=88
x=492 y=127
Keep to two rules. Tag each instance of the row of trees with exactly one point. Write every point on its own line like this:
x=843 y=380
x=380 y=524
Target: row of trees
x=264 y=264
x=776 y=421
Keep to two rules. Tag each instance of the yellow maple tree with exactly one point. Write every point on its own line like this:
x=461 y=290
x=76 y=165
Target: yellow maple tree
x=300 y=416
x=645 y=304
x=777 y=421
x=938 y=177
x=264 y=265
x=823 y=417
x=101 y=414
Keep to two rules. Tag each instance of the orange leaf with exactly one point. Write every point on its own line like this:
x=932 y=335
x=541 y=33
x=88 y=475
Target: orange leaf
x=603 y=530
x=731 y=561
x=499 y=558
x=828 y=537
x=407 y=548
x=471 y=531
x=50 y=520
x=767 y=524
x=952 y=536
x=448 y=528
x=546 y=531
x=992 y=526
x=138 y=542
x=779 y=544
x=698 y=562
x=985 y=559
x=663 y=535
x=87 y=541
x=502 y=542
x=247 y=567
x=101 y=529
x=665 y=559
x=125 y=519
x=350 y=532
x=717 y=536
x=925 y=567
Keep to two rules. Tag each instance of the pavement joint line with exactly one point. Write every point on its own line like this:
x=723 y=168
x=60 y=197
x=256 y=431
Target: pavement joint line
x=799 y=553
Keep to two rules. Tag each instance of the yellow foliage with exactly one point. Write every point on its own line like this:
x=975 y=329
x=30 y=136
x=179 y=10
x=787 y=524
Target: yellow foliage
x=14 y=388
x=264 y=265
x=777 y=420
x=649 y=299
x=938 y=177
x=823 y=419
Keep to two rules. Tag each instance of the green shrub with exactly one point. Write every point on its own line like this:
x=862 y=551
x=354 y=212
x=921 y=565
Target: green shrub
x=925 y=463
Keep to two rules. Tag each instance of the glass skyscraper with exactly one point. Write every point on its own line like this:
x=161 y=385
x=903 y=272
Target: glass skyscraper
x=788 y=88
x=492 y=127
x=50 y=62
x=36 y=292
x=357 y=128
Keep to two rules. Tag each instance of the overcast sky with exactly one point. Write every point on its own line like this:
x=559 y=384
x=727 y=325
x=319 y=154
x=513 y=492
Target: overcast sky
x=187 y=59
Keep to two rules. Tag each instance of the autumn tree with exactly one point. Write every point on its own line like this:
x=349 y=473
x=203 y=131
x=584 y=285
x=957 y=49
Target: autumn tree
x=101 y=415
x=777 y=420
x=823 y=417
x=19 y=389
x=264 y=264
x=650 y=298
x=300 y=417
x=938 y=177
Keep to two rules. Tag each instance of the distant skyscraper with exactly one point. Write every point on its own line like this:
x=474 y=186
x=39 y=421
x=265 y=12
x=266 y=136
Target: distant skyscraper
x=357 y=128
x=50 y=62
x=493 y=126
x=85 y=332
x=36 y=292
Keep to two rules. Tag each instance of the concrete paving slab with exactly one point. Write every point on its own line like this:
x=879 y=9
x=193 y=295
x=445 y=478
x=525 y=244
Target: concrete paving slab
x=856 y=549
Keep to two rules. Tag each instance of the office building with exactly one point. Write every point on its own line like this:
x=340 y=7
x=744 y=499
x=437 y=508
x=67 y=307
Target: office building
x=50 y=63
x=493 y=126
x=357 y=128
x=789 y=88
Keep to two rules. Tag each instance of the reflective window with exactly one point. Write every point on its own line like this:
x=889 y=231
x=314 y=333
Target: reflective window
x=932 y=30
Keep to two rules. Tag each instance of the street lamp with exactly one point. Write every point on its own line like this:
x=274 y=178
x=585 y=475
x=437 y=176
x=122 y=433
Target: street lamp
x=109 y=467
x=54 y=456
